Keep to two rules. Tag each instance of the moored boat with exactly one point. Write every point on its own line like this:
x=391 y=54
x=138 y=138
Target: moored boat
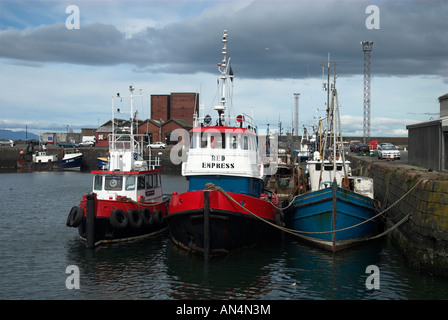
x=333 y=210
x=126 y=202
x=42 y=160
x=103 y=162
x=225 y=207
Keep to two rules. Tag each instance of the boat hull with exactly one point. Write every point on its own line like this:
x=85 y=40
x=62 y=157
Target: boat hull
x=120 y=220
x=314 y=214
x=73 y=163
x=103 y=162
x=230 y=227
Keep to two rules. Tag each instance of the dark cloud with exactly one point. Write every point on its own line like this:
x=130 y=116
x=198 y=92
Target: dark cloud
x=278 y=39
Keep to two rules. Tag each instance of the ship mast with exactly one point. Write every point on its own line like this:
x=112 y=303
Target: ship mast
x=223 y=67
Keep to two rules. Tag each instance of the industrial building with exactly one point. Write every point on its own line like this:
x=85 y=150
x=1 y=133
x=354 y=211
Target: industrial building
x=168 y=112
x=177 y=105
x=428 y=140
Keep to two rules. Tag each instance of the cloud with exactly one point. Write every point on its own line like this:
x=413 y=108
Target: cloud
x=379 y=126
x=411 y=39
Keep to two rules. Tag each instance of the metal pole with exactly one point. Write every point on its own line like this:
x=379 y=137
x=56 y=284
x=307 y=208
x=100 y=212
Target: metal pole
x=334 y=194
x=90 y=220
x=206 y=225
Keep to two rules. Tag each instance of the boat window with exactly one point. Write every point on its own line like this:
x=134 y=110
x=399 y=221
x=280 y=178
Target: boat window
x=339 y=168
x=233 y=142
x=157 y=180
x=140 y=182
x=113 y=183
x=98 y=183
x=318 y=166
x=130 y=183
x=245 y=143
x=328 y=167
x=216 y=141
x=149 y=181
x=204 y=141
x=193 y=142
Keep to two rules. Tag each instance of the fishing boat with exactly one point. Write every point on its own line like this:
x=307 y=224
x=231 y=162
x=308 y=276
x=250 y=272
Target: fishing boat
x=126 y=202
x=225 y=207
x=333 y=210
x=306 y=146
x=283 y=181
x=103 y=162
x=42 y=160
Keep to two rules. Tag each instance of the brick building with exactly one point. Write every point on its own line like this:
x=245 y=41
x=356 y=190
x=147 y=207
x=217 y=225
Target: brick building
x=176 y=105
x=160 y=107
x=172 y=124
x=152 y=128
x=168 y=112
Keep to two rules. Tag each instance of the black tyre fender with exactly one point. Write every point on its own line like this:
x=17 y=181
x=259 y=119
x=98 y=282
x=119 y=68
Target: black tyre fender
x=75 y=217
x=158 y=218
x=135 y=219
x=118 y=218
x=146 y=215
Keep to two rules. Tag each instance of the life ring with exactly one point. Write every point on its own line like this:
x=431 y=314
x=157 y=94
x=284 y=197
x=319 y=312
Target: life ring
x=135 y=219
x=75 y=217
x=118 y=219
x=146 y=215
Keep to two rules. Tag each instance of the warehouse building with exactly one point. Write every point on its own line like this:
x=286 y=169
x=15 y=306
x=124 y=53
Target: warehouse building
x=428 y=140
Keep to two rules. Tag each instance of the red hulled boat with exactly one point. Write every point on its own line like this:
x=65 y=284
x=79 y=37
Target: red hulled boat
x=226 y=207
x=126 y=202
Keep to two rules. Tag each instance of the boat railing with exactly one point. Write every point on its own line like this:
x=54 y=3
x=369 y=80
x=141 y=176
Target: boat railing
x=243 y=121
x=127 y=142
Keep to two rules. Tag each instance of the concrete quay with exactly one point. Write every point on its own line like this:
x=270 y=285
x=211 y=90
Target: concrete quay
x=10 y=155
x=420 y=197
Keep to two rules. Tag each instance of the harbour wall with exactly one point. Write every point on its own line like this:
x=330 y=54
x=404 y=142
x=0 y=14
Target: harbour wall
x=420 y=198
x=10 y=155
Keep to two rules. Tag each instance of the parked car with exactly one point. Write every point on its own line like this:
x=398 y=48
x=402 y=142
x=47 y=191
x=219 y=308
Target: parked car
x=7 y=142
x=362 y=147
x=67 y=144
x=388 y=151
x=353 y=145
x=33 y=142
x=88 y=143
x=157 y=145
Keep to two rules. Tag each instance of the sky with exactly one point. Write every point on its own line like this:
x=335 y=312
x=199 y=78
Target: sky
x=54 y=76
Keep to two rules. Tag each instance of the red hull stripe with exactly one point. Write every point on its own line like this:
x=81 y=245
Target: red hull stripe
x=194 y=200
x=221 y=129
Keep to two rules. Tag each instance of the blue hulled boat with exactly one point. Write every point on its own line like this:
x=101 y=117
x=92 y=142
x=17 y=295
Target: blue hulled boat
x=333 y=209
x=333 y=218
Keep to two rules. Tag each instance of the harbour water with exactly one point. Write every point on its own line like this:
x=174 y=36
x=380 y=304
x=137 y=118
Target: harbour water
x=37 y=247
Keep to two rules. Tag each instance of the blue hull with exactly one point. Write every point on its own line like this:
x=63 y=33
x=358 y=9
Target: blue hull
x=103 y=163
x=313 y=219
x=72 y=163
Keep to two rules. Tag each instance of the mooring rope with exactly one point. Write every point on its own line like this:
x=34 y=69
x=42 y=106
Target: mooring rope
x=211 y=186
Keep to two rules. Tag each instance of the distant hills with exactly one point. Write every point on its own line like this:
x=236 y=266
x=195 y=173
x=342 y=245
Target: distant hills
x=17 y=135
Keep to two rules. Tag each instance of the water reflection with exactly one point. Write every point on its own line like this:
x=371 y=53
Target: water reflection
x=240 y=275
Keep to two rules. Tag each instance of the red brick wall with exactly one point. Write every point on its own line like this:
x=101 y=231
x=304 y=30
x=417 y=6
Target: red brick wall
x=104 y=142
x=149 y=128
x=168 y=128
x=160 y=107
x=182 y=106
